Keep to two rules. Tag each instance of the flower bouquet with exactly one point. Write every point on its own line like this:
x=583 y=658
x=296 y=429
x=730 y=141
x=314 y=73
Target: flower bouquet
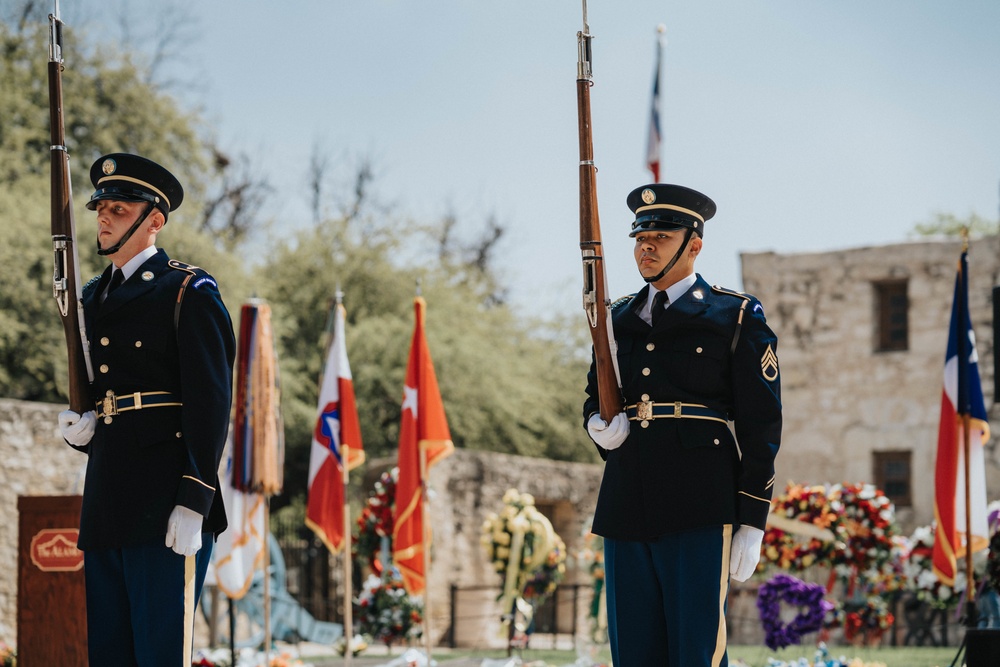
x=375 y=522
x=386 y=612
x=866 y=625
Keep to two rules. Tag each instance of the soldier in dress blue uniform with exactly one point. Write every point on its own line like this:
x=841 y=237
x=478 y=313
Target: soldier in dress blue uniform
x=162 y=350
x=689 y=464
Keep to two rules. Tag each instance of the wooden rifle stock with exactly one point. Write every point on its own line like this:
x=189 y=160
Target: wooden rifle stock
x=66 y=286
x=595 y=299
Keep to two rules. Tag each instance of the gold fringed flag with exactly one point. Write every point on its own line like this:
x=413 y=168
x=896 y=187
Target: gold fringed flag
x=258 y=434
x=424 y=439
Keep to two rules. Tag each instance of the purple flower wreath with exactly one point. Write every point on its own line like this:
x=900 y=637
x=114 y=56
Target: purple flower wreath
x=809 y=599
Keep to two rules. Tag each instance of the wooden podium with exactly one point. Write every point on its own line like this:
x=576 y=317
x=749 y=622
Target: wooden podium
x=51 y=602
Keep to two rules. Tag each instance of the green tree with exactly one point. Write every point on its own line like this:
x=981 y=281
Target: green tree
x=107 y=106
x=948 y=224
x=508 y=384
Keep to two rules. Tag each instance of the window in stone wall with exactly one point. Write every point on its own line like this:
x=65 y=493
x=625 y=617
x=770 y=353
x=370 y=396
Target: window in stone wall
x=891 y=316
x=892 y=475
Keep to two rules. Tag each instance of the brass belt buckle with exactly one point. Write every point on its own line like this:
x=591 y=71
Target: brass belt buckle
x=644 y=410
x=678 y=413
x=109 y=405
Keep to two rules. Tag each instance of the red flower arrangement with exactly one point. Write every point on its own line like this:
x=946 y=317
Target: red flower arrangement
x=869 y=623
x=375 y=521
x=807 y=504
x=865 y=530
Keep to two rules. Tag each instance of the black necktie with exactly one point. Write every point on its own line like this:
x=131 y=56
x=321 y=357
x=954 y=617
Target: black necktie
x=659 y=303
x=116 y=279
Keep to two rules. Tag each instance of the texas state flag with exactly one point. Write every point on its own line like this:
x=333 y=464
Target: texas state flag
x=962 y=408
x=336 y=441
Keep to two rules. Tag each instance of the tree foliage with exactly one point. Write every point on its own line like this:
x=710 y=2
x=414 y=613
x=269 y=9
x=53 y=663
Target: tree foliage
x=947 y=224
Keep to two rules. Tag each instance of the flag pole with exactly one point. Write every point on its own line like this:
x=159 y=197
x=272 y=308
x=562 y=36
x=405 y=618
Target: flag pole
x=971 y=615
x=425 y=536
x=348 y=581
x=348 y=572
x=267 y=579
x=425 y=527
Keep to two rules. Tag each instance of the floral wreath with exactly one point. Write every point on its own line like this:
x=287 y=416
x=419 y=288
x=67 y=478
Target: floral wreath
x=805 y=504
x=523 y=548
x=813 y=610
x=865 y=531
x=859 y=520
x=375 y=521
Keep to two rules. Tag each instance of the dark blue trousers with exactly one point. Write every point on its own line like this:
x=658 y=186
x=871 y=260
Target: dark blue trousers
x=136 y=611
x=667 y=599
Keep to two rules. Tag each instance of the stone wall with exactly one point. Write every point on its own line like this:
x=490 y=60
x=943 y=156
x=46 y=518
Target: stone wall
x=842 y=400
x=36 y=462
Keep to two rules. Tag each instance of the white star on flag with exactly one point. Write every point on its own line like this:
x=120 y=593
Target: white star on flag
x=410 y=400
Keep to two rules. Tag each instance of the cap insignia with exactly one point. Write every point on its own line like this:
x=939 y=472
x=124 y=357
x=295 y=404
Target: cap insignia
x=108 y=167
x=648 y=196
x=147 y=275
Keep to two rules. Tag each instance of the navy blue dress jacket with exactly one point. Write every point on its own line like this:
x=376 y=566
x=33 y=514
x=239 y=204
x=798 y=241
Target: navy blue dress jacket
x=679 y=473
x=144 y=462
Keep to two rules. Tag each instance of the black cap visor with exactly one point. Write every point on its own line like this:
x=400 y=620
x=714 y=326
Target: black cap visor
x=119 y=193
x=664 y=223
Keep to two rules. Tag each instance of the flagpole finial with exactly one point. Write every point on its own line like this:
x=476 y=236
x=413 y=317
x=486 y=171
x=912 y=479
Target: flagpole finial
x=965 y=238
x=419 y=292
x=661 y=28
x=339 y=295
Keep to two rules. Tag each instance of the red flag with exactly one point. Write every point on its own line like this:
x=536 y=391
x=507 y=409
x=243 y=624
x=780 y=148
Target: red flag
x=423 y=433
x=337 y=432
x=653 y=140
x=962 y=396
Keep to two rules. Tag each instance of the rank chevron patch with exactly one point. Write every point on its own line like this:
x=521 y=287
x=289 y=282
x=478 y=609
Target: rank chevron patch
x=769 y=365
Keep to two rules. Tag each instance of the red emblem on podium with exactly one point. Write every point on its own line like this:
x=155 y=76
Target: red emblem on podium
x=54 y=550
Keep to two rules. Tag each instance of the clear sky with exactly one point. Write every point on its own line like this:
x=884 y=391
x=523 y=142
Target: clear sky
x=814 y=125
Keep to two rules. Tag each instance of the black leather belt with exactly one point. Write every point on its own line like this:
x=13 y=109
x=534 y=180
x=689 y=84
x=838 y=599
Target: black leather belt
x=645 y=410
x=111 y=405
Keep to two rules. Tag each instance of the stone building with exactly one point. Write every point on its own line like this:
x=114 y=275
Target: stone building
x=862 y=334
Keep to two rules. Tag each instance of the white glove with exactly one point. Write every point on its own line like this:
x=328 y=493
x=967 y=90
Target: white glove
x=77 y=429
x=746 y=552
x=608 y=436
x=184 y=531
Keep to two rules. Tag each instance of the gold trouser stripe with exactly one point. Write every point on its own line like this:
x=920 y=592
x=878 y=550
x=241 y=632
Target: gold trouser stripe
x=188 y=610
x=721 y=639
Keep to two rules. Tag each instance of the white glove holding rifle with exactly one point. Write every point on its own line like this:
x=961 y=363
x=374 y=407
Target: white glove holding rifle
x=608 y=436
x=77 y=429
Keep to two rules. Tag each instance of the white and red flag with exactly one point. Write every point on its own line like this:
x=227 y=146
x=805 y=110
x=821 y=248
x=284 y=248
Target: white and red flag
x=653 y=140
x=336 y=442
x=424 y=439
x=962 y=408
